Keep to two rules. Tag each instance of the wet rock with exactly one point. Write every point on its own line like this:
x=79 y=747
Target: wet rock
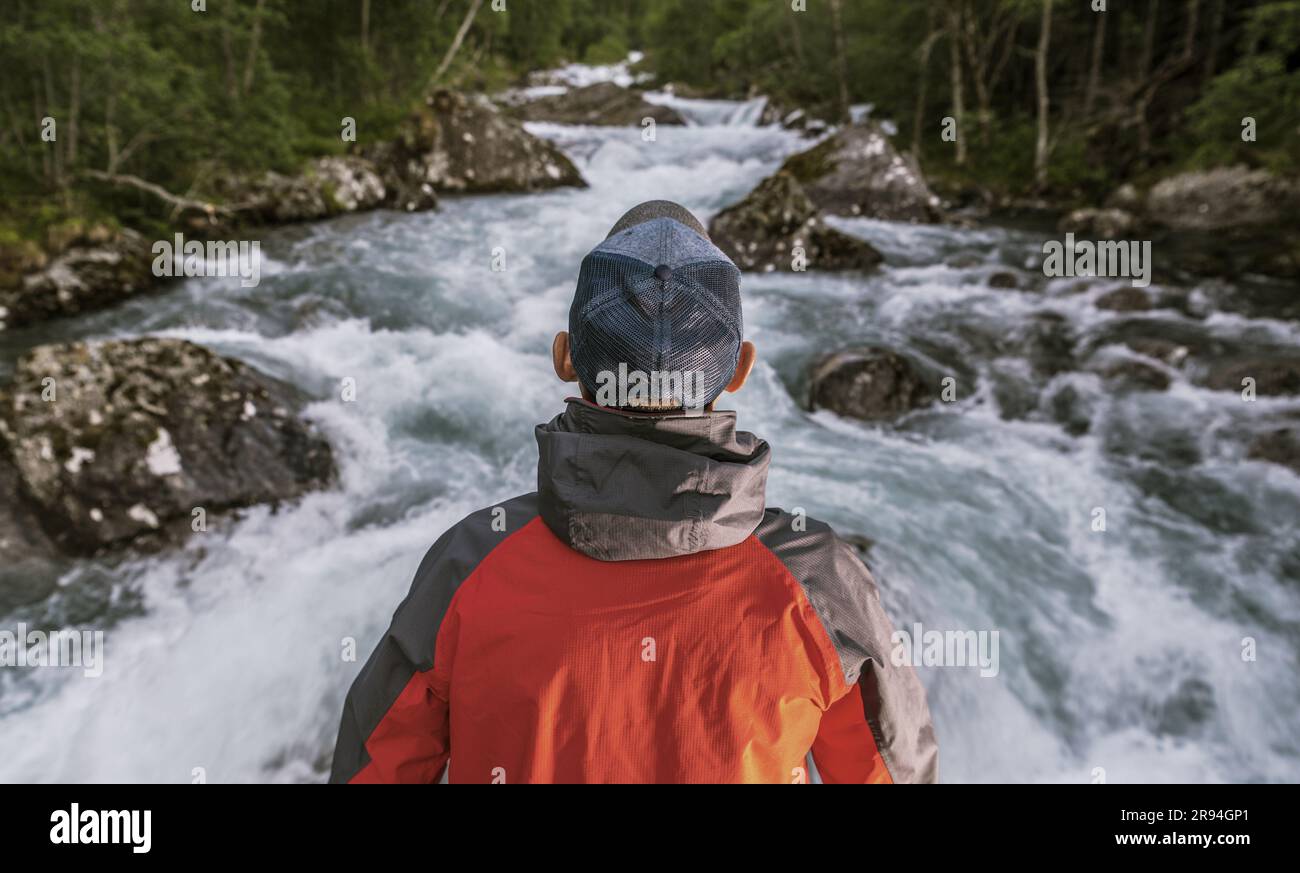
x=1125 y=298
x=460 y=143
x=861 y=544
x=1227 y=221
x=1273 y=376
x=123 y=440
x=1172 y=342
x=1186 y=711
x=604 y=103
x=1014 y=388
x=1004 y=279
x=26 y=553
x=1047 y=341
x=1278 y=446
x=1125 y=198
x=1099 y=223
x=763 y=231
x=963 y=261
x=1168 y=352
x=326 y=187
x=871 y=384
x=792 y=117
x=1223 y=197
x=1070 y=407
x=858 y=171
x=1136 y=375
x=91 y=271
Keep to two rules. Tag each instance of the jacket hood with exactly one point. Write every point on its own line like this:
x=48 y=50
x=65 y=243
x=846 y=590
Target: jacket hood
x=620 y=486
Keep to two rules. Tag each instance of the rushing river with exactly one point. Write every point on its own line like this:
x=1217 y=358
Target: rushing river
x=1119 y=650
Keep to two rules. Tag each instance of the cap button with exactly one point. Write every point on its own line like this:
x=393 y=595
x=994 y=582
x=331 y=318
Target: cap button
x=663 y=272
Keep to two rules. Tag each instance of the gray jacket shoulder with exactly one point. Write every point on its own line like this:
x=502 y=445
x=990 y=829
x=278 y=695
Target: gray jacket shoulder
x=835 y=581
x=448 y=563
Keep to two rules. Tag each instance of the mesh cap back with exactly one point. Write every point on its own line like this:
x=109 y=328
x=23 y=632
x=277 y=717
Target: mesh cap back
x=658 y=299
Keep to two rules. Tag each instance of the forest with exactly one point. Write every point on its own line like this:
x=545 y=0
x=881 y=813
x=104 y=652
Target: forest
x=1056 y=98
x=280 y=289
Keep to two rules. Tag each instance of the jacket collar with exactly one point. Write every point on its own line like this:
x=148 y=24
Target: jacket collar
x=621 y=486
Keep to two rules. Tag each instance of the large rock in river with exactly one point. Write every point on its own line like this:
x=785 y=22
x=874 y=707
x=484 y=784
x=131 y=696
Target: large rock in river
x=603 y=103
x=1224 y=197
x=858 y=171
x=763 y=231
x=871 y=384
x=27 y=556
x=93 y=267
x=1271 y=376
x=1280 y=445
x=125 y=439
x=1099 y=223
x=324 y=188
x=461 y=143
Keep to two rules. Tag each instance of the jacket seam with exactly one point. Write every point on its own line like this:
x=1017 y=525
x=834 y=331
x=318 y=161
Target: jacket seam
x=832 y=664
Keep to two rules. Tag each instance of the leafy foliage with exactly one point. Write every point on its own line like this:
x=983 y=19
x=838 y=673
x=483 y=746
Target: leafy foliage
x=175 y=95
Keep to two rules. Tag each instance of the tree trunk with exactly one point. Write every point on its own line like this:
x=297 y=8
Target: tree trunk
x=1193 y=22
x=841 y=66
x=228 y=54
x=365 y=29
x=250 y=65
x=954 y=57
x=56 y=176
x=981 y=48
x=1216 y=32
x=74 y=111
x=1094 y=70
x=1149 y=38
x=1040 y=83
x=455 y=43
x=1144 y=98
x=797 y=35
x=923 y=79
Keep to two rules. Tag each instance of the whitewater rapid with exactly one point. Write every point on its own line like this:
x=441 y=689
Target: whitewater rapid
x=1118 y=650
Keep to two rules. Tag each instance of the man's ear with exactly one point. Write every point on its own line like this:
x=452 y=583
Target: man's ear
x=744 y=363
x=560 y=358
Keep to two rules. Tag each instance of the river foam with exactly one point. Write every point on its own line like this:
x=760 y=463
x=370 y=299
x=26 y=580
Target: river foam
x=1120 y=650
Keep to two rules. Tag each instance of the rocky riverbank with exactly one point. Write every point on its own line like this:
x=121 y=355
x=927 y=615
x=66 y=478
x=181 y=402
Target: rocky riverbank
x=1226 y=221
x=454 y=144
x=856 y=172
x=141 y=443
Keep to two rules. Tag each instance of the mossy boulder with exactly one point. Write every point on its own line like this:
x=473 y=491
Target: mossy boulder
x=857 y=171
x=122 y=440
x=603 y=103
x=777 y=228
x=462 y=143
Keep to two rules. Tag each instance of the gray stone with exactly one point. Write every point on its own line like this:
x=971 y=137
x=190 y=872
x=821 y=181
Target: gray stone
x=90 y=273
x=857 y=171
x=870 y=383
x=601 y=104
x=460 y=143
x=122 y=440
x=762 y=232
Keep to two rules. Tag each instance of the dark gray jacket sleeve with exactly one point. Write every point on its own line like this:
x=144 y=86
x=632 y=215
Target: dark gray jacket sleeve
x=406 y=653
x=885 y=719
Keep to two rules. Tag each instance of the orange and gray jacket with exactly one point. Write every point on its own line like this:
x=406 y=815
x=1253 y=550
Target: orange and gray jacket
x=642 y=617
